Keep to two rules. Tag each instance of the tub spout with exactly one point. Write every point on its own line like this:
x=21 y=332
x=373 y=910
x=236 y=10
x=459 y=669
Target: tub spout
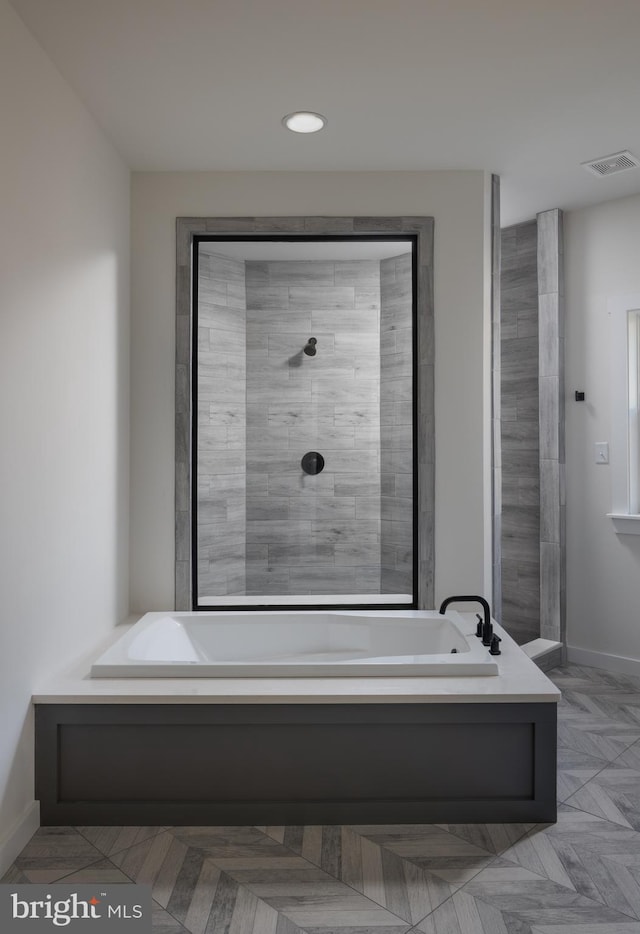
x=485 y=629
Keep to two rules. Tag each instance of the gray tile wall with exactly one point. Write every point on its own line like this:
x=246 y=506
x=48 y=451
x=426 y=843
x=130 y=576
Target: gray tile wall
x=396 y=431
x=222 y=425
x=552 y=445
x=496 y=401
x=520 y=520
x=313 y=534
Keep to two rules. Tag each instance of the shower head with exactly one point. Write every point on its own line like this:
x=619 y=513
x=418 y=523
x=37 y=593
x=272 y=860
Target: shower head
x=310 y=347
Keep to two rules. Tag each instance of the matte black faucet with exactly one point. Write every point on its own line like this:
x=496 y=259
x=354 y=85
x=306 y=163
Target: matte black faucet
x=485 y=628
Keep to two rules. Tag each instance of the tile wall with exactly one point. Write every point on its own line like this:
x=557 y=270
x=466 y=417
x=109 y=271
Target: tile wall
x=313 y=534
x=396 y=432
x=520 y=433
x=222 y=426
x=265 y=526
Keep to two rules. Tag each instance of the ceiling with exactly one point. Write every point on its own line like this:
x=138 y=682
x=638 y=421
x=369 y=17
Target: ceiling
x=527 y=89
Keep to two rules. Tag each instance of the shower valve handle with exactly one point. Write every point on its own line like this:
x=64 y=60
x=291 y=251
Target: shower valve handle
x=312 y=462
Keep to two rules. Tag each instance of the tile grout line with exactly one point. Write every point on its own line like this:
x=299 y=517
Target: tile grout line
x=133 y=882
x=584 y=784
x=124 y=848
x=337 y=878
x=283 y=912
x=597 y=816
x=241 y=885
x=182 y=926
x=603 y=904
x=607 y=765
x=607 y=762
x=495 y=857
x=484 y=898
x=88 y=866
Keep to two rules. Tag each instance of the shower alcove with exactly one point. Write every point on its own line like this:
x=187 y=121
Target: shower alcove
x=298 y=342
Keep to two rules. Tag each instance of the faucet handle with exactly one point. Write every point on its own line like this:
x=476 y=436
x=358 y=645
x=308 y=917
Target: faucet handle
x=487 y=632
x=495 y=645
x=479 y=626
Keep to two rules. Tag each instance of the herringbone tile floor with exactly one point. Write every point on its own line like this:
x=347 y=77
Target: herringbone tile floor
x=578 y=876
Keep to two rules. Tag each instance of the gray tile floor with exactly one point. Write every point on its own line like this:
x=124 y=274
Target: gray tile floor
x=579 y=876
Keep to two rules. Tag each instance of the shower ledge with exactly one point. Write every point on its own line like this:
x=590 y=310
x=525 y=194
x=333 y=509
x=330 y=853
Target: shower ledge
x=625 y=523
x=538 y=648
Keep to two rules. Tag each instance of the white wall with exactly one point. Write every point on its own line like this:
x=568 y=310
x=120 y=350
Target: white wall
x=64 y=244
x=602 y=248
x=458 y=201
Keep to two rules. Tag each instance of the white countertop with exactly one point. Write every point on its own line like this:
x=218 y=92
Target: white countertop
x=519 y=680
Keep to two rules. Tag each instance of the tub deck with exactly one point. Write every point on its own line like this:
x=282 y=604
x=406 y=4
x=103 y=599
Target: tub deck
x=293 y=751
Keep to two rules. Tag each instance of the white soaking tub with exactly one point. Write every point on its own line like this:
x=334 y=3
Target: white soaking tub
x=297 y=644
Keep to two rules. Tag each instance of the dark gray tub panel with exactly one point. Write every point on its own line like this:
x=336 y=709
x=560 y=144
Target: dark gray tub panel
x=293 y=764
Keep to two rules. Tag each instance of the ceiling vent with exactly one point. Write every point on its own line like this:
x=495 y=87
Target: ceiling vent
x=611 y=165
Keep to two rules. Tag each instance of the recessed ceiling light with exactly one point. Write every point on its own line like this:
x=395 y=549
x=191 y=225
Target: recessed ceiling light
x=304 y=121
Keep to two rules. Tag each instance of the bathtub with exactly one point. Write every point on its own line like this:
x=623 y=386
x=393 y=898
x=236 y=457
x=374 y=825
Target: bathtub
x=297 y=644
x=244 y=745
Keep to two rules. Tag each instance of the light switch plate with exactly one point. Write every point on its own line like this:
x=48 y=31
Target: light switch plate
x=601 y=449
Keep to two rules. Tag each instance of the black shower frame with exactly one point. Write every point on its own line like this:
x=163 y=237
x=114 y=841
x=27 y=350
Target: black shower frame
x=197 y=239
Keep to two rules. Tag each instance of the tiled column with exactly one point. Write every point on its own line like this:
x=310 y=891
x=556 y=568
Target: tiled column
x=396 y=424
x=551 y=415
x=496 y=437
x=222 y=376
x=520 y=507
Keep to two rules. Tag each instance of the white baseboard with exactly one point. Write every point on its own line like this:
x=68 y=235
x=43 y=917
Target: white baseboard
x=618 y=664
x=17 y=837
